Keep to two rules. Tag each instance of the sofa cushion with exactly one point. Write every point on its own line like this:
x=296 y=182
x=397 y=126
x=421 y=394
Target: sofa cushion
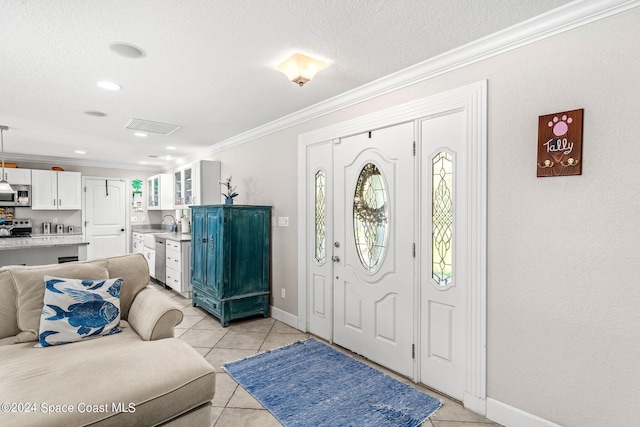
x=29 y=284
x=76 y=309
x=152 y=380
x=8 y=322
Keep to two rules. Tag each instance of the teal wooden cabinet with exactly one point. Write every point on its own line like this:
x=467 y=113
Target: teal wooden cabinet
x=230 y=260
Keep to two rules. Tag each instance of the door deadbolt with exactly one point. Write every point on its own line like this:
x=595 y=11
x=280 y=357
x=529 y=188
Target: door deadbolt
x=336 y=244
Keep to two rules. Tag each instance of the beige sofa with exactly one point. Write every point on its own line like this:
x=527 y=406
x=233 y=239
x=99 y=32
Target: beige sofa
x=141 y=376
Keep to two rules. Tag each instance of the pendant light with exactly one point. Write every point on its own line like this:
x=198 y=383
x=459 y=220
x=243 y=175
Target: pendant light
x=4 y=185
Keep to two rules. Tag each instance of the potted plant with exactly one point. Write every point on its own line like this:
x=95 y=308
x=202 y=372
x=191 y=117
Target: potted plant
x=231 y=191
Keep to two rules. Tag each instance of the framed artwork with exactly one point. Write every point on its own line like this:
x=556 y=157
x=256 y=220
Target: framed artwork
x=560 y=144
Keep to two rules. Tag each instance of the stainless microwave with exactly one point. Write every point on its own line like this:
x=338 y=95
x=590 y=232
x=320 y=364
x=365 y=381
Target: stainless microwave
x=21 y=196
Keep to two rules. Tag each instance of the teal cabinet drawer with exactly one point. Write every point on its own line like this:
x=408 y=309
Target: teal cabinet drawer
x=212 y=305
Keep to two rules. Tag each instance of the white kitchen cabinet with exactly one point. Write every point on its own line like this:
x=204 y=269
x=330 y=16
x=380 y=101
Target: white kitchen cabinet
x=137 y=243
x=150 y=256
x=177 y=266
x=56 y=190
x=197 y=184
x=17 y=176
x=160 y=192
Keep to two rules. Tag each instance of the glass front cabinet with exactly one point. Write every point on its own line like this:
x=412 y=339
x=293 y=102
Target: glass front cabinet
x=159 y=192
x=197 y=184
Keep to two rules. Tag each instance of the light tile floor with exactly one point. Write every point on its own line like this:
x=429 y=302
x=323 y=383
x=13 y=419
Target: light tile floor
x=232 y=405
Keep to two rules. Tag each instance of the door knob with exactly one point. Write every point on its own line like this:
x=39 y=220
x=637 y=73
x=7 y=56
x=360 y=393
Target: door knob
x=335 y=258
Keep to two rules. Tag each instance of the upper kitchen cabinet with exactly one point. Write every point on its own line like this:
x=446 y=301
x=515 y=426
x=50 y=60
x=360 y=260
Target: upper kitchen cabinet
x=17 y=176
x=197 y=184
x=56 y=190
x=159 y=191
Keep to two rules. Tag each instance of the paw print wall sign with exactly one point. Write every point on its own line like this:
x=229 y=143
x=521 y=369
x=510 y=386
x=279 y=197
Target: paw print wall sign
x=560 y=144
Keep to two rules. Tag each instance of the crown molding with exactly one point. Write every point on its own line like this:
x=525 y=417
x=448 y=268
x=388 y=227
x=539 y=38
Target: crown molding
x=557 y=21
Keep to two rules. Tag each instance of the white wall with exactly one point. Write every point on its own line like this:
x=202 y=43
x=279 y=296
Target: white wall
x=563 y=294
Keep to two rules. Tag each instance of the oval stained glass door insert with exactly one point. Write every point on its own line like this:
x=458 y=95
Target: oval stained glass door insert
x=370 y=217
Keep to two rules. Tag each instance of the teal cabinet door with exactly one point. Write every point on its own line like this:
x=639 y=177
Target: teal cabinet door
x=198 y=252
x=214 y=256
x=246 y=251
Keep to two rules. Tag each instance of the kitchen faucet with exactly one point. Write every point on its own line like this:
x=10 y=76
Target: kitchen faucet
x=174 y=224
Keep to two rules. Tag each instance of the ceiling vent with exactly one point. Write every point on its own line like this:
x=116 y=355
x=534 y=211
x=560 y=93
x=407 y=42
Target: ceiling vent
x=155 y=127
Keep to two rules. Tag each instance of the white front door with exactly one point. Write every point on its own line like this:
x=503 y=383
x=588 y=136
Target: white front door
x=441 y=300
x=105 y=213
x=444 y=244
x=373 y=247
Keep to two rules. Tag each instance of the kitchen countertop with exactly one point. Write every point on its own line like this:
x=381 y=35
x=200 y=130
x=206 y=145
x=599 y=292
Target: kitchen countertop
x=161 y=230
x=150 y=228
x=178 y=237
x=41 y=242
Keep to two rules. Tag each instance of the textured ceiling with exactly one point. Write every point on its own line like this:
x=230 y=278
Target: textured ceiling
x=208 y=66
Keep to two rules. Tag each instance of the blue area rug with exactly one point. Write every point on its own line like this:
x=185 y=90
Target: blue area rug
x=308 y=383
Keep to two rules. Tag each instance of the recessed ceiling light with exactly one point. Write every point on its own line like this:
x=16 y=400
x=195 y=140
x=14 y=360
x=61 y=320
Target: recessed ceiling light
x=80 y=152
x=95 y=113
x=127 y=50
x=144 y=163
x=140 y=134
x=109 y=85
x=171 y=148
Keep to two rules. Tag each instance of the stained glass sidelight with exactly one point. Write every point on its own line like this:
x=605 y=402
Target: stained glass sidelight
x=370 y=216
x=320 y=203
x=442 y=218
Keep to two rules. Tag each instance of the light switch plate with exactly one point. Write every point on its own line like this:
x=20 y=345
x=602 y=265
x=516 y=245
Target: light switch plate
x=283 y=221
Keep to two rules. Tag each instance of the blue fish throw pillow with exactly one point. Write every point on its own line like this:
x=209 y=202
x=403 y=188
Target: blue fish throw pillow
x=76 y=310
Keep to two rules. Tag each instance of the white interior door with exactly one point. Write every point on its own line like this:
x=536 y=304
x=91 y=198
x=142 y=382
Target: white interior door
x=444 y=252
x=373 y=248
x=105 y=213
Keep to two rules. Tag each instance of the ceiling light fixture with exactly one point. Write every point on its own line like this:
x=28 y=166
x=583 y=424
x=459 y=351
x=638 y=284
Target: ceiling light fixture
x=5 y=187
x=80 y=152
x=140 y=134
x=300 y=68
x=109 y=85
x=127 y=50
x=170 y=148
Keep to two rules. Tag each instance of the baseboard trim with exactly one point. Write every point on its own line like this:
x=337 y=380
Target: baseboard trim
x=510 y=416
x=284 y=317
x=475 y=404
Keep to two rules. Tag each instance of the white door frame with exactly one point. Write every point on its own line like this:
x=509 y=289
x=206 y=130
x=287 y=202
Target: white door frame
x=473 y=100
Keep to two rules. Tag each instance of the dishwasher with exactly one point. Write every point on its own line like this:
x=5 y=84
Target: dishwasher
x=161 y=261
